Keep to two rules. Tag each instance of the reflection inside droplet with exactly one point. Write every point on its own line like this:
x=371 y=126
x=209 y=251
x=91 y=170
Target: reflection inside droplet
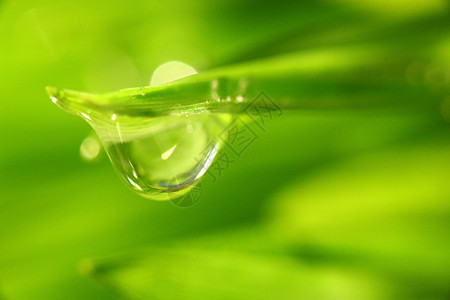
x=168 y=153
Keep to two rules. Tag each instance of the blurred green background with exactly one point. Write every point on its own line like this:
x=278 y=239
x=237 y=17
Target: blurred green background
x=324 y=205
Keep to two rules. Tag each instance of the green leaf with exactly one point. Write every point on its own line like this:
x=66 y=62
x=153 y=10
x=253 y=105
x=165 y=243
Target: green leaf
x=390 y=69
x=389 y=211
x=222 y=273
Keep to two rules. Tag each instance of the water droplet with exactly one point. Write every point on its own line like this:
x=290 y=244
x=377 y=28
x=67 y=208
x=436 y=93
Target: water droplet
x=158 y=157
x=161 y=158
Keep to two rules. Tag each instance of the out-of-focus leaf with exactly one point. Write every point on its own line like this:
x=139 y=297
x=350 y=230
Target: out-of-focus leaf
x=348 y=77
x=388 y=65
x=389 y=211
x=180 y=273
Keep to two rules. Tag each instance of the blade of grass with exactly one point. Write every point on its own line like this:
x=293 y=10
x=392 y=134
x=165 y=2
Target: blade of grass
x=346 y=78
x=177 y=272
x=373 y=67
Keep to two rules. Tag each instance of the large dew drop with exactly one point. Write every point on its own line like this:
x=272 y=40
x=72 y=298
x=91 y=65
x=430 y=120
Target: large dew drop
x=159 y=157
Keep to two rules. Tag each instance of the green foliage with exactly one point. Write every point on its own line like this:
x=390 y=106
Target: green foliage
x=334 y=200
